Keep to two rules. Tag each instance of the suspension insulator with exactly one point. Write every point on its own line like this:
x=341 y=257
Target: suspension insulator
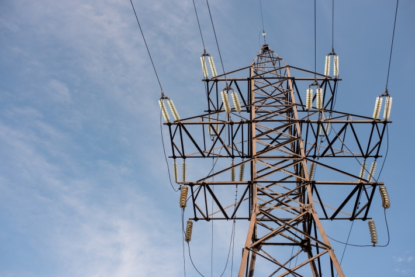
x=312 y=170
x=212 y=66
x=189 y=229
x=241 y=172
x=225 y=100
x=372 y=171
x=217 y=125
x=176 y=172
x=236 y=102
x=319 y=98
x=309 y=99
x=378 y=106
x=232 y=171
x=320 y=127
x=336 y=66
x=388 y=107
x=385 y=197
x=327 y=67
x=184 y=171
x=164 y=110
x=173 y=110
x=373 y=233
x=183 y=197
x=328 y=126
x=210 y=126
x=363 y=170
x=204 y=67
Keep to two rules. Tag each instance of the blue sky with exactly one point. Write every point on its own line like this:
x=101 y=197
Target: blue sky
x=83 y=186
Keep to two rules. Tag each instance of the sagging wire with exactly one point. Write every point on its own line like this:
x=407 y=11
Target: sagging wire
x=262 y=19
x=217 y=43
x=162 y=111
x=232 y=241
x=368 y=245
x=188 y=245
x=184 y=256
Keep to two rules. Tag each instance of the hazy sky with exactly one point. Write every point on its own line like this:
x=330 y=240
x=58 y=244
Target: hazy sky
x=83 y=185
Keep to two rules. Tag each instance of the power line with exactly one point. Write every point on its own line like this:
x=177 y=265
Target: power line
x=332 y=25
x=393 y=36
x=315 y=39
x=217 y=43
x=198 y=23
x=139 y=25
x=165 y=155
x=190 y=255
x=162 y=94
x=184 y=257
x=262 y=19
x=368 y=245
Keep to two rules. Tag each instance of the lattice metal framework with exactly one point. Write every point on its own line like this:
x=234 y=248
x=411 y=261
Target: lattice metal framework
x=278 y=139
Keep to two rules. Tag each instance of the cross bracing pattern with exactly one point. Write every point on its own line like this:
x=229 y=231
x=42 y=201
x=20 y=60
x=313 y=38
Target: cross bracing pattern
x=281 y=144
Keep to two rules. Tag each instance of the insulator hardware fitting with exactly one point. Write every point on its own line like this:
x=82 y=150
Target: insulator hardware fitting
x=189 y=229
x=385 y=197
x=183 y=197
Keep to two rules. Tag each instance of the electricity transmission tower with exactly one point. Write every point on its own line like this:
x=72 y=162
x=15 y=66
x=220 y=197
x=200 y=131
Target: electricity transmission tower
x=280 y=140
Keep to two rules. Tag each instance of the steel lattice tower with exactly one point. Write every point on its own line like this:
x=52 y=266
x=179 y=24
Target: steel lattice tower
x=278 y=140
